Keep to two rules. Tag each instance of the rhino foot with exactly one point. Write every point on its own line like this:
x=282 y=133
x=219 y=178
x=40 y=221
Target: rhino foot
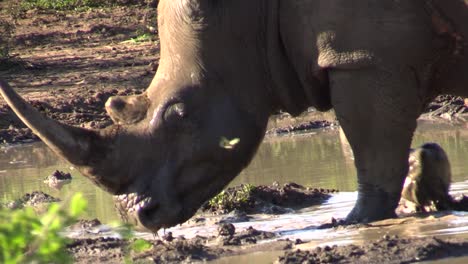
x=373 y=204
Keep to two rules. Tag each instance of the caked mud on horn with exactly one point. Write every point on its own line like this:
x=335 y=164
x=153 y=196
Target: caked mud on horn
x=77 y=145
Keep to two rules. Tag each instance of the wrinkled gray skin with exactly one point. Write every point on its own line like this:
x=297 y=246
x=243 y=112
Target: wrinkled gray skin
x=227 y=65
x=429 y=176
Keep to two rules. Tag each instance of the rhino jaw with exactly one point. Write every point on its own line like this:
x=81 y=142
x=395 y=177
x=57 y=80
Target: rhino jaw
x=172 y=196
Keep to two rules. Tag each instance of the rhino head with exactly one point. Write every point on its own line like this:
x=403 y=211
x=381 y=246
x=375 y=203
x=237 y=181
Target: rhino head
x=166 y=160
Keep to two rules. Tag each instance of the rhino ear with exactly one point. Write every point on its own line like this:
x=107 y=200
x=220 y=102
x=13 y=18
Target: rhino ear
x=72 y=143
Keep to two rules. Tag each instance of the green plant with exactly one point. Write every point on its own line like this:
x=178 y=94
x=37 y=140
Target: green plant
x=232 y=198
x=140 y=38
x=26 y=237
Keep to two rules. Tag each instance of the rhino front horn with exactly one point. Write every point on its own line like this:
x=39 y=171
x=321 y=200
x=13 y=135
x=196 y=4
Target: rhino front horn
x=72 y=143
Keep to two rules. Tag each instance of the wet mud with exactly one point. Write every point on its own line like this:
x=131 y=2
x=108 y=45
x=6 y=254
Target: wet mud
x=34 y=199
x=170 y=249
x=269 y=199
x=385 y=250
x=388 y=249
x=301 y=127
x=449 y=107
x=58 y=176
x=85 y=224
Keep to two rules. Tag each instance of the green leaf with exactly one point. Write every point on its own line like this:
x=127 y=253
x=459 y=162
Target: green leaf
x=77 y=205
x=141 y=245
x=26 y=237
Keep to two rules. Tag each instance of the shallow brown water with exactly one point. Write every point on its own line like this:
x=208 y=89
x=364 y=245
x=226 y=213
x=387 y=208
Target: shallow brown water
x=314 y=159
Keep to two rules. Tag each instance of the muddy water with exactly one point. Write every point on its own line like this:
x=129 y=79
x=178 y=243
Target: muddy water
x=316 y=159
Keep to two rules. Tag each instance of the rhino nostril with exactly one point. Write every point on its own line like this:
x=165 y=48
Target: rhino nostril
x=116 y=103
x=146 y=214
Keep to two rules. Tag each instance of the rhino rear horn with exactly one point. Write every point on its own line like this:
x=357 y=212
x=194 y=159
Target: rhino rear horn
x=72 y=143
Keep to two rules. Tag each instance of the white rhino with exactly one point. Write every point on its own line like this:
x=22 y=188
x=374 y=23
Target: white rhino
x=227 y=65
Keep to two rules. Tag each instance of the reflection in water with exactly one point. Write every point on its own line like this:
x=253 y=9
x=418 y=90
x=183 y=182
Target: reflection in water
x=321 y=159
x=58 y=185
x=315 y=159
x=26 y=167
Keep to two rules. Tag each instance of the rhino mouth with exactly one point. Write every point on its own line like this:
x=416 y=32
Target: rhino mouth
x=149 y=213
x=137 y=209
x=134 y=202
x=168 y=204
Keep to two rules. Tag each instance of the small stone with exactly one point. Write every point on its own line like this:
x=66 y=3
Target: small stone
x=168 y=237
x=226 y=229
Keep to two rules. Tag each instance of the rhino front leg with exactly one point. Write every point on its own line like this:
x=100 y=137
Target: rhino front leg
x=377 y=110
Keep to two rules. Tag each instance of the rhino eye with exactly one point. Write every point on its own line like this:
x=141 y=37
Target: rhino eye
x=175 y=112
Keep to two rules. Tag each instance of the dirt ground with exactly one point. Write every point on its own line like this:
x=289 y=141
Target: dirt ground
x=385 y=250
x=180 y=250
x=67 y=64
x=168 y=249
